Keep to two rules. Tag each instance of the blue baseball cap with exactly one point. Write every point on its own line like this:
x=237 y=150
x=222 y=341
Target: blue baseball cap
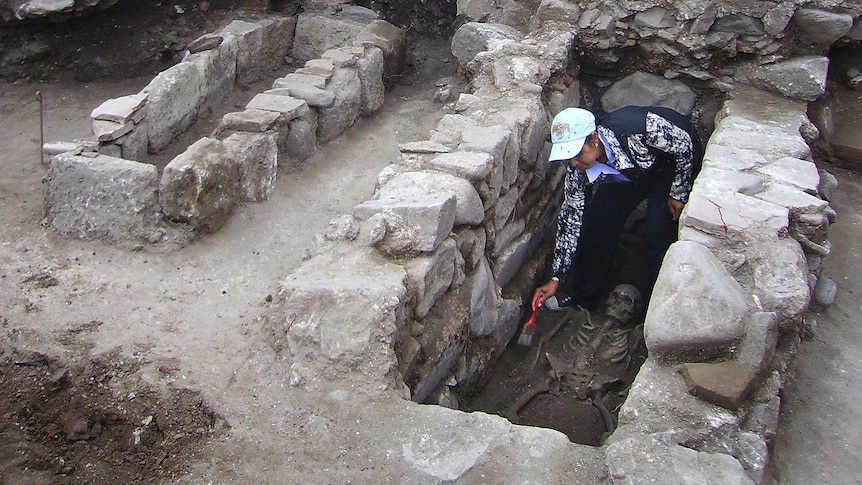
x=569 y=130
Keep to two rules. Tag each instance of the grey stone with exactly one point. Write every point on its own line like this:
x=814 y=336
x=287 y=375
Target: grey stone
x=339 y=312
x=314 y=80
x=828 y=185
x=734 y=214
x=697 y=308
x=471 y=243
x=800 y=78
x=121 y=110
x=820 y=26
x=314 y=96
x=251 y=120
x=218 y=72
x=301 y=140
x=318 y=67
x=712 y=179
x=511 y=258
x=58 y=147
x=174 y=99
x=342 y=228
x=794 y=172
x=474 y=166
x=428 y=277
x=103 y=197
x=391 y=40
x=824 y=292
x=287 y=106
x=413 y=224
x=468 y=209
x=369 y=68
x=316 y=32
x=651 y=460
x=794 y=199
x=204 y=43
x=423 y=147
x=777 y=18
x=731 y=158
x=433 y=378
x=341 y=57
x=200 y=186
x=134 y=144
x=739 y=24
x=558 y=10
x=249 y=41
x=771 y=141
x=279 y=34
x=474 y=10
x=110 y=130
x=645 y=89
x=780 y=281
x=256 y=156
x=758 y=346
x=506 y=235
x=656 y=18
x=472 y=38
x=483 y=300
x=334 y=120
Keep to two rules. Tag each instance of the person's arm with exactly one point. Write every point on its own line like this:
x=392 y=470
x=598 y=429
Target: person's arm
x=676 y=142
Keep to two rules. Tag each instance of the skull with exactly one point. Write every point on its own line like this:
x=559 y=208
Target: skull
x=624 y=303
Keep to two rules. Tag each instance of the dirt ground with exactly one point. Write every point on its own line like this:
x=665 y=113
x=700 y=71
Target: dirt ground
x=98 y=343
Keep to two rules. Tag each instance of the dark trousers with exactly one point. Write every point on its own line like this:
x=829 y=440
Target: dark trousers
x=604 y=216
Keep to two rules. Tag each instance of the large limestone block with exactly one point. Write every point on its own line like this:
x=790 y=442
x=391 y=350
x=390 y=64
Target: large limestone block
x=473 y=166
x=794 y=199
x=339 y=313
x=103 y=197
x=428 y=277
x=174 y=99
x=256 y=156
x=780 y=277
x=200 y=186
x=731 y=158
x=473 y=37
x=332 y=121
x=729 y=214
x=249 y=41
x=801 y=78
x=771 y=141
x=413 y=223
x=483 y=300
x=369 y=68
x=697 y=309
x=717 y=180
x=278 y=34
x=510 y=260
x=653 y=460
x=801 y=174
x=218 y=71
x=300 y=141
x=468 y=209
x=391 y=41
x=318 y=31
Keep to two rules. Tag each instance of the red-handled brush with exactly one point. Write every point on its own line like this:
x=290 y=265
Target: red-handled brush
x=526 y=338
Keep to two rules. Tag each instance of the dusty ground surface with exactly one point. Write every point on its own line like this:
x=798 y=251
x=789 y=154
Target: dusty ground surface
x=142 y=366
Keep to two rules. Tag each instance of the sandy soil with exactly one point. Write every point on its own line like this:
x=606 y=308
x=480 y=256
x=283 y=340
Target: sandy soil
x=174 y=318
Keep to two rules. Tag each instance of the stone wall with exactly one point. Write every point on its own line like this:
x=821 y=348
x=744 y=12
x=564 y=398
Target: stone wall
x=458 y=219
x=198 y=190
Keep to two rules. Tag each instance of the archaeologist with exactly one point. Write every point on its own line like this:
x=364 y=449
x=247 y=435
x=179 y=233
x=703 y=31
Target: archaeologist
x=615 y=162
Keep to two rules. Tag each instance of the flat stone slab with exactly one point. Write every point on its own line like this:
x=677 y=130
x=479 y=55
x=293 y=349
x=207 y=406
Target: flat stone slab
x=723 y=214
x=795 y=172
x=316 y=97
x=252 y=120
x=289 y=106
x=122 y=110
x=111 y=130
x=423 y=147
x=725 y=384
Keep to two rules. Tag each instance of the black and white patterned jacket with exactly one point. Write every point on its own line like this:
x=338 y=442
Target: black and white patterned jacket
x=641 y=139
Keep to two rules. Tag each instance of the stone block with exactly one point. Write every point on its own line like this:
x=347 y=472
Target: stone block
x=103 y=197
x=510 y=260
x=780 y=279
x=468 y=208
x=645 y=89
x=314 y=80
x=731 y=158
x=724 y=384
x=249 y=41
x=473 y=166
x=334 y=120
x=251 y=120
x=256 y=156
x=653 y=460
x=483 y=300
x=713 y=180
x=794 y=199
x=800 y=78
x=413 y=224
x=122 y=110
x=318 y=67
x=696 y=310
x=771 y=141
x=339 y=313
x=428 y=277
x=200 y=186
x=173 y=102
x=794 y=172
x=110 y=130
x=820 y=26
x=300 y=142
x=318 y=31
x=342 y=57
x=315 y=97
x=473 y=37
x=734 y=214
x=391 y=41
x=218 y=72
x=471 y=243
x=758 y=346
x=287 y=106
x=369 y=68
x=278 y=33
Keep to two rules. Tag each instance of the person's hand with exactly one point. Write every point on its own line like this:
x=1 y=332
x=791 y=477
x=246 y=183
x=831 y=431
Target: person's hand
x=675 y=207
x=544 y=292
